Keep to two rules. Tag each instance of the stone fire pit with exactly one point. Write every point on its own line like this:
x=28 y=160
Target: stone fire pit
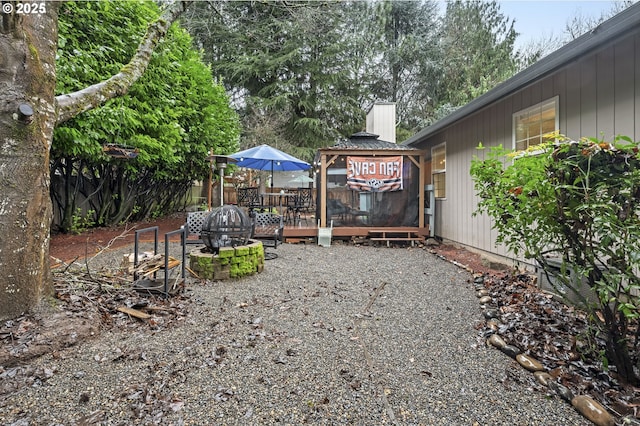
x=229 y=262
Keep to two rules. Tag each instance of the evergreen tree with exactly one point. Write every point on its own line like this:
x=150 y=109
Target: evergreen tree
x=476 y=48
x=314 y=67
x=287 y=60
x=409 y=49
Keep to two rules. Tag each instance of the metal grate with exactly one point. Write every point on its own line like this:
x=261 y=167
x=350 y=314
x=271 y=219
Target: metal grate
x=225 y=226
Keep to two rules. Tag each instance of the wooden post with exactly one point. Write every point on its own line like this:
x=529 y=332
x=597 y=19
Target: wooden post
x=323 y=191
x=421 y=192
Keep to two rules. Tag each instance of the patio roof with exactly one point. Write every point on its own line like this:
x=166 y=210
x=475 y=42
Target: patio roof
x=367 y=141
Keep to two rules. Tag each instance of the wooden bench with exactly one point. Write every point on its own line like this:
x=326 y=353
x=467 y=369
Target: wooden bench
x=391 y=234
x=268 y=228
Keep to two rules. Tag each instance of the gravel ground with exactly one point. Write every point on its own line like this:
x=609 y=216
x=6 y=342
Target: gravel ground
x=337 y=335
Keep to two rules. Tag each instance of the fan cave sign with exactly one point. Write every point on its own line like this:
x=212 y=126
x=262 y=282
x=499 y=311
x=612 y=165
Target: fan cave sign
x=374 y=174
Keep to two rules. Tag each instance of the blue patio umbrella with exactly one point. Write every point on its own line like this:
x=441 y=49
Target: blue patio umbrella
x=265 y=157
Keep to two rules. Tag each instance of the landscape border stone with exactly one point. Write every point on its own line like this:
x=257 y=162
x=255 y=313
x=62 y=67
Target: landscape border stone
x=584 y=404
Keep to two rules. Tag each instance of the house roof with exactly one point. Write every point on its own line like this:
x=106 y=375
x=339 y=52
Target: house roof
x=622 y=23
x=367 y=141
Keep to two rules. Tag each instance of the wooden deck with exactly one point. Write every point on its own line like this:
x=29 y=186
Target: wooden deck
x=295 y=233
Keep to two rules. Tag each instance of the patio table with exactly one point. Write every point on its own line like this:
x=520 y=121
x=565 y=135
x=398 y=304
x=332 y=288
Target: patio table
x=274 y=199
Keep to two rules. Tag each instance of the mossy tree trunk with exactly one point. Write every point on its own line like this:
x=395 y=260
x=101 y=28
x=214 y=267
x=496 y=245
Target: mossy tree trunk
x=27 y=117
x=29 y=112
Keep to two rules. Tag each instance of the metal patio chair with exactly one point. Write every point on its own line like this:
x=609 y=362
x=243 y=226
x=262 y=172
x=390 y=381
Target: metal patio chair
x=249 y=198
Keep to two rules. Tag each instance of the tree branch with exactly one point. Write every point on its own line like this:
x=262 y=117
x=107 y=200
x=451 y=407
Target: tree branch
x=72 y=104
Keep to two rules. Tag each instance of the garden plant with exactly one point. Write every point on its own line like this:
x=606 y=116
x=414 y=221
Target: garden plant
x=578 y=203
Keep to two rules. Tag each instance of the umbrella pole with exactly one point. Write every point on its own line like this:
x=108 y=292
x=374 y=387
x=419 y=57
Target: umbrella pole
x=210 y=184
x=221 y=186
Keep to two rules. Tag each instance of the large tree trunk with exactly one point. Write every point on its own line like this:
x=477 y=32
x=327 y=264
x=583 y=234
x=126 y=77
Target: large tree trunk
x=27 y=82
x=29 y=111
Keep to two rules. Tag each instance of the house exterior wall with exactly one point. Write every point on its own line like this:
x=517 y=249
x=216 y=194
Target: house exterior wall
x=598 y=96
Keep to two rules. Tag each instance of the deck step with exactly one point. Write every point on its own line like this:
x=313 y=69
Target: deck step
x=397 y=239
x=300 y=240
x=389 y=235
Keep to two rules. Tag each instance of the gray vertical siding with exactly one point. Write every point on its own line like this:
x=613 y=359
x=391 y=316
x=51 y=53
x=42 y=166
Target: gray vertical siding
x=636 y=81
x=605 y=94
x=625 y=88
x=598 y=96
x=588 y=98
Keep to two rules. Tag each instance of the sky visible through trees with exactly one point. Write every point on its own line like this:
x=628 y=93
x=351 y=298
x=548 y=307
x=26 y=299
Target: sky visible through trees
x=302 y=74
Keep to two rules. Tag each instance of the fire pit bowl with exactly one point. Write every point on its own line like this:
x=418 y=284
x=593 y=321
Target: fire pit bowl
x=226 y=226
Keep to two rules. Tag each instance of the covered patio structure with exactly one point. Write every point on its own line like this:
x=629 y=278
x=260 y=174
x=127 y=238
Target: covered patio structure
x=371 y=188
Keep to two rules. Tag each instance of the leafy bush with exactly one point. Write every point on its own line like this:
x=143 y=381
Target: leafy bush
x=80 y=223
x=578 y=202
x=173 y=116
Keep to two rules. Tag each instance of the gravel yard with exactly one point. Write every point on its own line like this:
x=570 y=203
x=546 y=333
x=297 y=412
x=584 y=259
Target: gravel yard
x=337 y=335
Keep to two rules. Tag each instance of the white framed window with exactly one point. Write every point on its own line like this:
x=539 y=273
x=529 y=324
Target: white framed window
x=439 y=169
x=529 y=125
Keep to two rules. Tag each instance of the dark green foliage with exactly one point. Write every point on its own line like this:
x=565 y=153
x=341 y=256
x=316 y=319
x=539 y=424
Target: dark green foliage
x=286 y=61
x=477 y=47
x=303 y=73
x=173 y=115
x=578 y=202
x=409 y=46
